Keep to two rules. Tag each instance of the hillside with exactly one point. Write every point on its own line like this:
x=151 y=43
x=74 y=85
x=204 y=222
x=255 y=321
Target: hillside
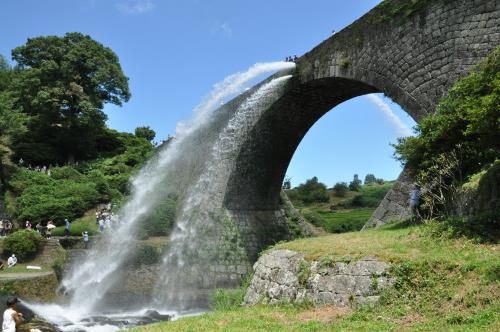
x=441 y=284
x=342 y=214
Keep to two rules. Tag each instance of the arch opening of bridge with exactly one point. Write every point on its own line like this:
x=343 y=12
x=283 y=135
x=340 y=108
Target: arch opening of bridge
x=262 y=163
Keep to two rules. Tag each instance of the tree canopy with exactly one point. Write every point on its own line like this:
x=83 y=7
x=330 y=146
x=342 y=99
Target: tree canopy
x=62 y=83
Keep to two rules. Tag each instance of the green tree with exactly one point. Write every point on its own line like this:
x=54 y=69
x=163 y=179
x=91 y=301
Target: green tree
x=12 y=120
x=64 y=82
x=340 y=189
x=467 y=120
x=145 y=132
x=313 y=191
x=460 y=139
x=355 y=184
x=370 y=179
x=287 y=184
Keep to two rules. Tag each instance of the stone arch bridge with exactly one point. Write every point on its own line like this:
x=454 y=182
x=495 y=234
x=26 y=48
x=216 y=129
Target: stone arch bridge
x=413 y=58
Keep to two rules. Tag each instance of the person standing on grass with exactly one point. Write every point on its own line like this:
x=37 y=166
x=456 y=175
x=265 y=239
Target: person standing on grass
x=85 y=239
x=11 y=318
x=8 y=227
x=415 y=202
x=67 y=227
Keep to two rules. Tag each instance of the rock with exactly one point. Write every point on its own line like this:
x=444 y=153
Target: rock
x=284 y=275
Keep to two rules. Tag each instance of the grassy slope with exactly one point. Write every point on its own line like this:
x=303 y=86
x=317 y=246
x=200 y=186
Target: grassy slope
x=344 y=217
x=442 y=285
x=85 y=223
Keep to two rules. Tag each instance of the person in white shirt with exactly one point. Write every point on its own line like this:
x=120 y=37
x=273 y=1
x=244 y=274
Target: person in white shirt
x=11 y=318
x=12 y=261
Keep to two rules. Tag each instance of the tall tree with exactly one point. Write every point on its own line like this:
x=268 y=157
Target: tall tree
x=64 y=82
x=370 y=179
x=355 y=184
x=12 y=120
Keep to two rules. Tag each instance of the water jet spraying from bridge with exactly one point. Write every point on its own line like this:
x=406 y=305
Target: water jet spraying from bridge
x=90 y=280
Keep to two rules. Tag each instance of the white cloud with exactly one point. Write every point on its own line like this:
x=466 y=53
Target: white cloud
x=402 y=129
x=135 y=7
x=226 y=30
x=223 y=29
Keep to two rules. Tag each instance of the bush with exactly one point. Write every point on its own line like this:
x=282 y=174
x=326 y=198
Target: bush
x=466 y=120
x=57 y=201
x=314 y=218
x=312 y=191
x=160 y=220
x=227 y=299
x=145 y=254
x=25 y=244
x=340 y=189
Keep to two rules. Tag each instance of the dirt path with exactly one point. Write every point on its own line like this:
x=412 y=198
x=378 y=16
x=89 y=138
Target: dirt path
x=23 y=275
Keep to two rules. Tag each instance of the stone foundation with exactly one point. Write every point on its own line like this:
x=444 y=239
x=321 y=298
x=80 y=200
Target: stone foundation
x=285 y=276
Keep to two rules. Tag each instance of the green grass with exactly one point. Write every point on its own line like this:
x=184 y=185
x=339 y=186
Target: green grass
x=442 y=284
x=86 y=223
x=21 y=268
x=350 y=213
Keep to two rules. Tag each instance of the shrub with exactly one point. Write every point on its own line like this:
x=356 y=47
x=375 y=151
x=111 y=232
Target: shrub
x=145 y=254
x=161 y=218
x=227 y=299
x=312 y=191
x=56 y=201
x=314 y=218
x=66 y=173
x=340 y=189
x=466 y=121
x=25 y=244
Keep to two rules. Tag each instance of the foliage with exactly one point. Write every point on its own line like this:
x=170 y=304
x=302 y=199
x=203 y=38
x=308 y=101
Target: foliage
x=481 y=228
x=160 y=219
x=466 y=120
x=303 y=273
x=340 y=189
x=340 y=221
x=287 y=184
x=144 y=254
x=71 y=190
x=24 y=244
x=62 y=83
x=368 y=196
x=145 y=132
x=355 y=184
x=84 y=224
x=397 y=9
x=370 y=178
x=311 y=191
x=227 y=299
x=12 y=121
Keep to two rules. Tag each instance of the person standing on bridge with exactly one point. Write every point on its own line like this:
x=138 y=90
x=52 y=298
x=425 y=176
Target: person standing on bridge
x=11 y=318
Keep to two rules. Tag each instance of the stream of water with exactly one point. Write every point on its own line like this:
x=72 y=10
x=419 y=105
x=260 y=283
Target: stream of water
x=87 y=284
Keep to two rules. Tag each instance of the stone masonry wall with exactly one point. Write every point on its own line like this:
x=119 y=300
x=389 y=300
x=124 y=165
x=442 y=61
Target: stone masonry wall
x=284 y=276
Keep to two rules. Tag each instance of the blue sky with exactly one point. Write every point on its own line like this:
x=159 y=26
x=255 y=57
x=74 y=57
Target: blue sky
x=175 y=51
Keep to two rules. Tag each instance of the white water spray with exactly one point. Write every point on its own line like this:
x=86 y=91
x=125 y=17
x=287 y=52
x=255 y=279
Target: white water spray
x=91 y=279
x=196 y=241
